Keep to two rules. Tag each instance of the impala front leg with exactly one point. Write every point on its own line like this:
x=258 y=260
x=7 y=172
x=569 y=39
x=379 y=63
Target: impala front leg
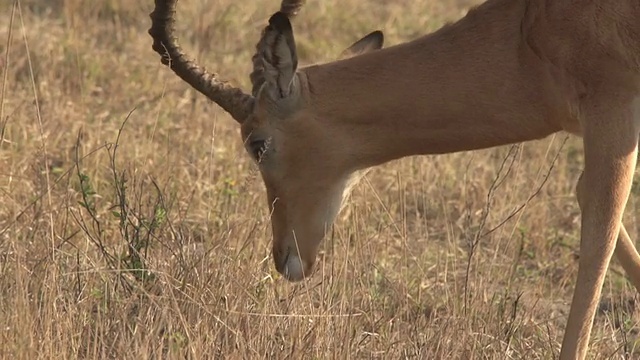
x=610 y=146
x=625 y=251
x=628 y=256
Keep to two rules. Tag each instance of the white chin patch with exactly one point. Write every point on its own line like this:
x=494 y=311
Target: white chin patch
x=294 y=268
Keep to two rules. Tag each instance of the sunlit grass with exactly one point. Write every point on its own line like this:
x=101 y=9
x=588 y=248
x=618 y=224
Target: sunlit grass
x=132 y=222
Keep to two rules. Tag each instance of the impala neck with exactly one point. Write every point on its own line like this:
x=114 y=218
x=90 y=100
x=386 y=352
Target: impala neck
x=460 y=88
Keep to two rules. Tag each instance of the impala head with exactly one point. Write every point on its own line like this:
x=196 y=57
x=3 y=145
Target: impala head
x=305 y=176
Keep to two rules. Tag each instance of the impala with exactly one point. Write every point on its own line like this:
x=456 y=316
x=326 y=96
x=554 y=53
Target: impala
x=509 y=71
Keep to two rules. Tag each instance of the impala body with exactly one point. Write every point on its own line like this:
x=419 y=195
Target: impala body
x=509 y=71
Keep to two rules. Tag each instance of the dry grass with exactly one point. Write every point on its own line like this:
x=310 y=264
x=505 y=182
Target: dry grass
x=132 y=223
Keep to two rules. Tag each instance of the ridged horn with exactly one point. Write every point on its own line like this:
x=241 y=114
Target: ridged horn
x=232 y=99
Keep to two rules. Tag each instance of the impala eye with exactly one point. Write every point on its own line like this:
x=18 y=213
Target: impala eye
x=257 y=149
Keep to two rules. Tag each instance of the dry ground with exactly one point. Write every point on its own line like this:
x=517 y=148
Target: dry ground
x=133 y=225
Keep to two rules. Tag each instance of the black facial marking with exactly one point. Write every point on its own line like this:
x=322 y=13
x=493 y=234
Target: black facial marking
x=257 y=148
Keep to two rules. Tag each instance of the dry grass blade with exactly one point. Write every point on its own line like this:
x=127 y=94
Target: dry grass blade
x=159 y=246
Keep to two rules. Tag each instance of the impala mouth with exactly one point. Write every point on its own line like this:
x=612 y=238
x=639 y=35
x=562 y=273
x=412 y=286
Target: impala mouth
x=292 y=267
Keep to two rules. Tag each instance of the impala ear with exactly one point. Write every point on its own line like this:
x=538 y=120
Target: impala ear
x=373 y=41
x=278 y=54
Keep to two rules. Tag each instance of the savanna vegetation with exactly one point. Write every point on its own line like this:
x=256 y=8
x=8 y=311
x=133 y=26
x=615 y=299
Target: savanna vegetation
x=134 y=226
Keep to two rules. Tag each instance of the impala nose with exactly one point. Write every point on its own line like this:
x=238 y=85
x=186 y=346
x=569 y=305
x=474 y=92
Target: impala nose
x=291 y=266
